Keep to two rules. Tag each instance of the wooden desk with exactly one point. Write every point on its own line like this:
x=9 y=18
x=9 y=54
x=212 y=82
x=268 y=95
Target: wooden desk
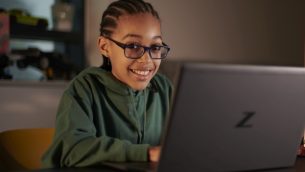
x=299 y=167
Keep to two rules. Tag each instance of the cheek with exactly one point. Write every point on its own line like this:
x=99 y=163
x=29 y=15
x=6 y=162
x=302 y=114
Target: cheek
x=117 y=58
x=157 y=64
x=120 y=64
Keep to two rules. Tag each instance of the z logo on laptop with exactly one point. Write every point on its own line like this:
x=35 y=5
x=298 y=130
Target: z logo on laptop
x=245 y=121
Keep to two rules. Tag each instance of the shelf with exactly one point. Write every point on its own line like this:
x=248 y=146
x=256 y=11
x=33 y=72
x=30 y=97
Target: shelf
x=46 y=35
x=69 y=44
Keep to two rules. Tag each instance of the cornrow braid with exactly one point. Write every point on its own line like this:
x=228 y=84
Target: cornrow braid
x=117 y=9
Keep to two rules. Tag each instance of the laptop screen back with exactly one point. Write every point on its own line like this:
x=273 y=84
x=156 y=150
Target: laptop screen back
x=235 y=118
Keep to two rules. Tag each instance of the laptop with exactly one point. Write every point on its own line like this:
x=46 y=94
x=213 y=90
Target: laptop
x=234 y=118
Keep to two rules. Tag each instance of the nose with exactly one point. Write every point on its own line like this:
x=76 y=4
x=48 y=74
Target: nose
x=145 y=58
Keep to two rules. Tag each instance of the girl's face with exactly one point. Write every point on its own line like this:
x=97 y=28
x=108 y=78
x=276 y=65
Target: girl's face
x=140 y=29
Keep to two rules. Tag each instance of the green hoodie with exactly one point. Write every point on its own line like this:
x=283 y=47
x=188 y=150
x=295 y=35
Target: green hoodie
x=101 y=119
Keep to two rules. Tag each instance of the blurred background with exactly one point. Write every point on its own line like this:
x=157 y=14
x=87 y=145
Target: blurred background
x=44 y=44
x=59 y=38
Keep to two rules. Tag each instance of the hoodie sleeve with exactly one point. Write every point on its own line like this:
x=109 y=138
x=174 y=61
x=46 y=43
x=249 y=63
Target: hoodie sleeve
x=75 y=142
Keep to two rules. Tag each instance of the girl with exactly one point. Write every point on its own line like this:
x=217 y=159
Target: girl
x=116 y=112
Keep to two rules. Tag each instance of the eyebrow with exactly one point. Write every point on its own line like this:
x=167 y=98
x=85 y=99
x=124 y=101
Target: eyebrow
x=139 y=36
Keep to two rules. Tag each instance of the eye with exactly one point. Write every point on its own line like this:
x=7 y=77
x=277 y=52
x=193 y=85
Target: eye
x=133 y=46
x=156 y=47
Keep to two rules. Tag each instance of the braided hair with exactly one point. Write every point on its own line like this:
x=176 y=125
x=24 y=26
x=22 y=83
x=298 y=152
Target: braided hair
x=117 y=9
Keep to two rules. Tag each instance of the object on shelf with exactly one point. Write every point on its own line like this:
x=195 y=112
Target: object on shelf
x=62 y=14
x=54 y=65
x=4 y=32
x=29 y=73
x=4 y=62
x=21 y=19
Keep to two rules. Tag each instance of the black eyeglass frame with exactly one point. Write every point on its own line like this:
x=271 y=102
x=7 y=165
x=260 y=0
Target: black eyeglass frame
x=124 y=46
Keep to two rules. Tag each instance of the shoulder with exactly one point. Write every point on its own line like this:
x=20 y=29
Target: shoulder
x=162 y=83
x=162 y=79
x=86 y=80
x=90 y=73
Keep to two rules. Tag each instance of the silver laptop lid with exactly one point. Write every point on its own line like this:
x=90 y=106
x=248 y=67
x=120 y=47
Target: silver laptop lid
x=235 y=118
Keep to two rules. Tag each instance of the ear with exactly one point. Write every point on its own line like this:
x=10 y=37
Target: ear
x=103 y=45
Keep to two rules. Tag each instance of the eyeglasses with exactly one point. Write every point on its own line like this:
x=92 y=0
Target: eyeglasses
x=135 y=51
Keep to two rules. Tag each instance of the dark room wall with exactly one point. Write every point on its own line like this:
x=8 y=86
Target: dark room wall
x=235 y=31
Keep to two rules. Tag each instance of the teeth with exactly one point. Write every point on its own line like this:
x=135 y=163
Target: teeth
x=141 y=72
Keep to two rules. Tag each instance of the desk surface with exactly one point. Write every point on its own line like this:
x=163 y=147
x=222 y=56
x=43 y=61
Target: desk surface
x=299 y=167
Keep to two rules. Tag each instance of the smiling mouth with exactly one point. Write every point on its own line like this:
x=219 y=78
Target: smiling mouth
x=141 y=72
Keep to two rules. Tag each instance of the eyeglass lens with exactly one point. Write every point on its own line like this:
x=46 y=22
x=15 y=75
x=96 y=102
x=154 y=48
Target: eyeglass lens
x=157 y=52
